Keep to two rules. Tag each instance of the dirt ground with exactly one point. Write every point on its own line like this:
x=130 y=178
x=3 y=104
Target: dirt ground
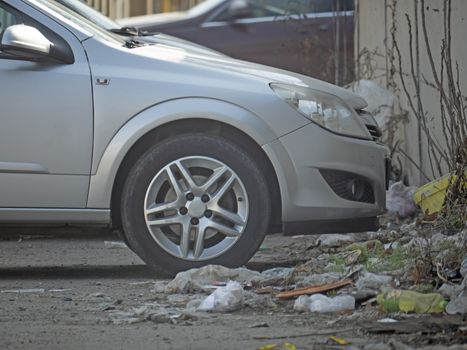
x=59 y=291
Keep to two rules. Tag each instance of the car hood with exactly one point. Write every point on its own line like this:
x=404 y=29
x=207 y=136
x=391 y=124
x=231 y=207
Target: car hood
x=193 y=56
x=170 y=41
x=158 y=18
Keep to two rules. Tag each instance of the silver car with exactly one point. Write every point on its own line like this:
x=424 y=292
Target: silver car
x=194 y=155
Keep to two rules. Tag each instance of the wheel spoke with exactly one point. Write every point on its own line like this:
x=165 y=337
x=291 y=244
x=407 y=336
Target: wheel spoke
x=185 y=240
x=199 y=242
x=161 y=207
x=191 y=184
x=224 y=188
x=228 y=215
x=174 y=182
x=224 y=229
x=216 y=175
x=165 y=221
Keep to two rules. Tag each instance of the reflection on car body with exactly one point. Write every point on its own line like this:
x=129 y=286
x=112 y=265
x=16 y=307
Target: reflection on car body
x=309 y=37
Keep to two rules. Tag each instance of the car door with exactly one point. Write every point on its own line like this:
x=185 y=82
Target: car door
x=302 y=36
x=46 y=121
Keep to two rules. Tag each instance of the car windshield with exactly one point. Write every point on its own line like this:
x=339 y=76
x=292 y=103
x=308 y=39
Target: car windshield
x=204 y=7
x=89 y=13
x=57 y=8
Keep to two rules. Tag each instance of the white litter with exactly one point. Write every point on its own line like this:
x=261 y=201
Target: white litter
x=224 y=299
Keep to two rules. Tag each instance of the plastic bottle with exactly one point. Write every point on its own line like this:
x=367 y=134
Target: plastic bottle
x=409 y=301
x=321 y=303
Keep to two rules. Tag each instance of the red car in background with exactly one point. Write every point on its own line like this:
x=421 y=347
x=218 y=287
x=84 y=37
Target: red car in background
x=312 y=37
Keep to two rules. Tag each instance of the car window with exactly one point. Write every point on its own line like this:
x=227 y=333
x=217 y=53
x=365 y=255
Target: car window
x=268 y=8
x=59 y=10
x=312 y=6
x=7 y=18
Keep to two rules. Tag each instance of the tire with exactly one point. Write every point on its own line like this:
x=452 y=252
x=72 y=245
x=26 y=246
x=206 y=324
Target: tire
x=194 y=200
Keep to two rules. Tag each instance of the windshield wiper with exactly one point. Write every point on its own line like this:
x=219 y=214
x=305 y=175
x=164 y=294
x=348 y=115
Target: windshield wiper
x=130 y=31
x=132 y=43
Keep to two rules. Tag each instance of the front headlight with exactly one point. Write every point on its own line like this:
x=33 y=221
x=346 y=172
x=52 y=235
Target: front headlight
x=324 y=109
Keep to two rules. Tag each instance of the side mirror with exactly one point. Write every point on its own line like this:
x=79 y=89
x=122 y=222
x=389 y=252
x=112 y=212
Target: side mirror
x=25 y=42
x=239 y=9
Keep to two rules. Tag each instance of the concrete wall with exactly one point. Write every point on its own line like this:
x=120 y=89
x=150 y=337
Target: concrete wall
x=379 y=22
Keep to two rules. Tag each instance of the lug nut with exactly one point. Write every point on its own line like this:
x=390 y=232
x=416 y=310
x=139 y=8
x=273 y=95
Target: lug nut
x=208 y=213
x=183 y=210
x=194 y=221
x=190 y=196
x=205 y=198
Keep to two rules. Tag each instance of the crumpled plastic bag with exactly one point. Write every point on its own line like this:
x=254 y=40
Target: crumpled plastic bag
x=199 y=279
x=399 y=200
x=224 y=299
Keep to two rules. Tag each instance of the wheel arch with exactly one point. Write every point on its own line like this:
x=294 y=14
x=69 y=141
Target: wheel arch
x=154 y=126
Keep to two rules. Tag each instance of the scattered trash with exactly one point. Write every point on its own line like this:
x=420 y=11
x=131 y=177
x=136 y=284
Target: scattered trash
x=409 y=301
x=364 y=296
x=457 y=306
x=200 y=280
x=255 y=301
x=323 y=304
x=283 y=346
x=387 y=320
x=153 y=312
x=339 y=341
x=352 y=257
x=224 y=299
x=333 y=240
x=302 y=303
x=319 y=279
x=399 y=200
x=115 y=245
x=314 y=289
x=279 y=272
x=430 y=197
x=451 y=291
x=372 y=281
x=124 y=318
x=193 y=305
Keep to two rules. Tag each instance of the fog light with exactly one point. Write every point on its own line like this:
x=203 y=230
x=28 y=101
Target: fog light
x=357 y=189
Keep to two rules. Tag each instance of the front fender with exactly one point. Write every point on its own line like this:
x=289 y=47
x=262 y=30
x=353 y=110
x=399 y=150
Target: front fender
x=103 y=177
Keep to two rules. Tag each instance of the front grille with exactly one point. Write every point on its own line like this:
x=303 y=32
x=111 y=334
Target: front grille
x=375 y=132
x=370 y=124
x=349 y=186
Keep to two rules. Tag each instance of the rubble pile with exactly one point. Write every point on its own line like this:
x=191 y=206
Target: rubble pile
x=388 y=282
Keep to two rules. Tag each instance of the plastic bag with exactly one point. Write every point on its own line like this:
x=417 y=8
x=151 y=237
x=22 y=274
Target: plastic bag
x=399 y=200
x=224 y=299
x=321 y=303
x=410 y=301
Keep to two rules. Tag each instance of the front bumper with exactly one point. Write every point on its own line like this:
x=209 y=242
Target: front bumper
x=302 y=157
